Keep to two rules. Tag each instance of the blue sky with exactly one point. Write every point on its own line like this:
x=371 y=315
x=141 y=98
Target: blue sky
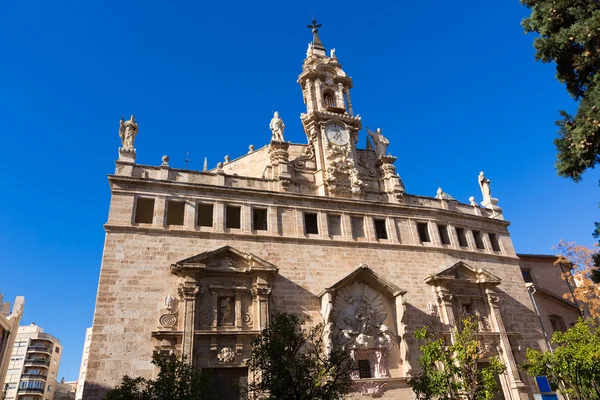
x=453 y=85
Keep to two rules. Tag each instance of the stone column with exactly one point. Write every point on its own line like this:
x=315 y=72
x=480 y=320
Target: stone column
x=187 y=293
x=369 y=228
x=518 y=390
x=347 y=227
x=215 y=309
x=323 y=225
x=309 y=96
x=389 y=181
x=340 y=96
x=318 y=94
x=349 y=105
x=238 y=310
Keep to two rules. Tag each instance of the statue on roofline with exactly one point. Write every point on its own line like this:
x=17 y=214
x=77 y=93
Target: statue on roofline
x=277 y=126
x=128 y=131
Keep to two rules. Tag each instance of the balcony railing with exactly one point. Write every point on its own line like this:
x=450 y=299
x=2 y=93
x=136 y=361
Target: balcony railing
x=31 y=390
x=37 y=361
x=38 y=348
x=34 y=376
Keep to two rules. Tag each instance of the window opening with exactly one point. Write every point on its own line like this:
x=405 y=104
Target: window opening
x=380 y=229
x=445 y=238
x=364 y=369
x=175 y=212
x=358 y=227
x=462 y=237
x=204 y=215
x=335 y=225
x=423 y=232
x=259 y=219
x=144 y=211
x=494 y=242
x=233 y=217
x=310 y=223
x=478 y=240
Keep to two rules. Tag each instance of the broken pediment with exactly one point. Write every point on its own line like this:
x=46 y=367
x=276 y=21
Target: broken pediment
x=462 y=273
x=224 y=260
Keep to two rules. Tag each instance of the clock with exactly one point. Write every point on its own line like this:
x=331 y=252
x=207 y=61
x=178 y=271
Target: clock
x=337 y=133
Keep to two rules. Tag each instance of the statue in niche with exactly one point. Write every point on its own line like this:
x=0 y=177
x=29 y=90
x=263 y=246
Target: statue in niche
x=359 y=315
x=226 y=310
x=277 y=126
x=380 y=364
x=381 y=142
x=128 y=131
x=484 y=184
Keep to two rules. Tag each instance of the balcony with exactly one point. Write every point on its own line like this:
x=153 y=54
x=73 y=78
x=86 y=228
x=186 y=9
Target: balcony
x=39 y=349
x=37 y=361
x=33 y=376
x=23 y=390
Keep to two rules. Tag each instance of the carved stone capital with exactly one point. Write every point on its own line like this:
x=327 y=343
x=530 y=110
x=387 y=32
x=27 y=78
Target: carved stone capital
x=188 y=292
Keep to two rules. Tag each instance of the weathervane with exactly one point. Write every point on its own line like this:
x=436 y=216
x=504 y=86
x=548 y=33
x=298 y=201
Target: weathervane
x=315 y=27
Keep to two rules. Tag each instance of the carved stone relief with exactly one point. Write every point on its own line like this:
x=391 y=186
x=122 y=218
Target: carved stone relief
x=226 y=355
x=359 y=314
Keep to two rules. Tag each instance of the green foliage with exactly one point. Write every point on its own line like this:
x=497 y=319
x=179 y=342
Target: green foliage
x=291 y=363
x=574 y=366
x=176 y=380
x=569 y=35
x=453 y=372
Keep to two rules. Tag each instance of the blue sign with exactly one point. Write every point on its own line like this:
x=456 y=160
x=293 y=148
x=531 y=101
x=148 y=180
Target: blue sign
x=545 y=389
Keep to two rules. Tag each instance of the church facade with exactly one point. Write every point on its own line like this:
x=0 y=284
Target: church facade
x=195 y=262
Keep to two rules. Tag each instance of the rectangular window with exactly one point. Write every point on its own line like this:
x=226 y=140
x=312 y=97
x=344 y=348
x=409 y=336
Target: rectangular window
x=335 y=225
x=259 y=219
x=364 y=369
x=527 y=277
x=358 y=227
x=423 y=229
x=57 y=349
x=144 y=211
x=204 y=214
x=462 y=237
x=494 y=242
x=310 y=223
x=380 y=229
x=175 y=212
x=478 y=240
x=444 y=237
x=233 y=217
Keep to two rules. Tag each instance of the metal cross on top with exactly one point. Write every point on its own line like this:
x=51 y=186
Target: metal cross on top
x=315 y=27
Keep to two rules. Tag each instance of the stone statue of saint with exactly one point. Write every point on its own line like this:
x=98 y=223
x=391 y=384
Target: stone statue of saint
x=128 y=131
x=484 y=184
x=277 y=126
x=381 y=142
x=225 y=310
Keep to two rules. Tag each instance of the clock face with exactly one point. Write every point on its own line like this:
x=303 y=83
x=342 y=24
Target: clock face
x=336 y=133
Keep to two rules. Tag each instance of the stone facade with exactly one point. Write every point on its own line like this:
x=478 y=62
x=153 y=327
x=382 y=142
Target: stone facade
x=9 y=325
x=196 y=262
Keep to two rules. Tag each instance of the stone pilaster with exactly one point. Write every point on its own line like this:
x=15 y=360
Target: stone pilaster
x=188 y=293
x=517 y=387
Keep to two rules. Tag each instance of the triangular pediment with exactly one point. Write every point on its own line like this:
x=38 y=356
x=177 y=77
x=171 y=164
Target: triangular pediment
x=223 y=260
x=366 y=275
x=464 y=274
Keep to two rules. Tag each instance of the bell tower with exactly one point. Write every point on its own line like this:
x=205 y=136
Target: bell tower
x=329 y=122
